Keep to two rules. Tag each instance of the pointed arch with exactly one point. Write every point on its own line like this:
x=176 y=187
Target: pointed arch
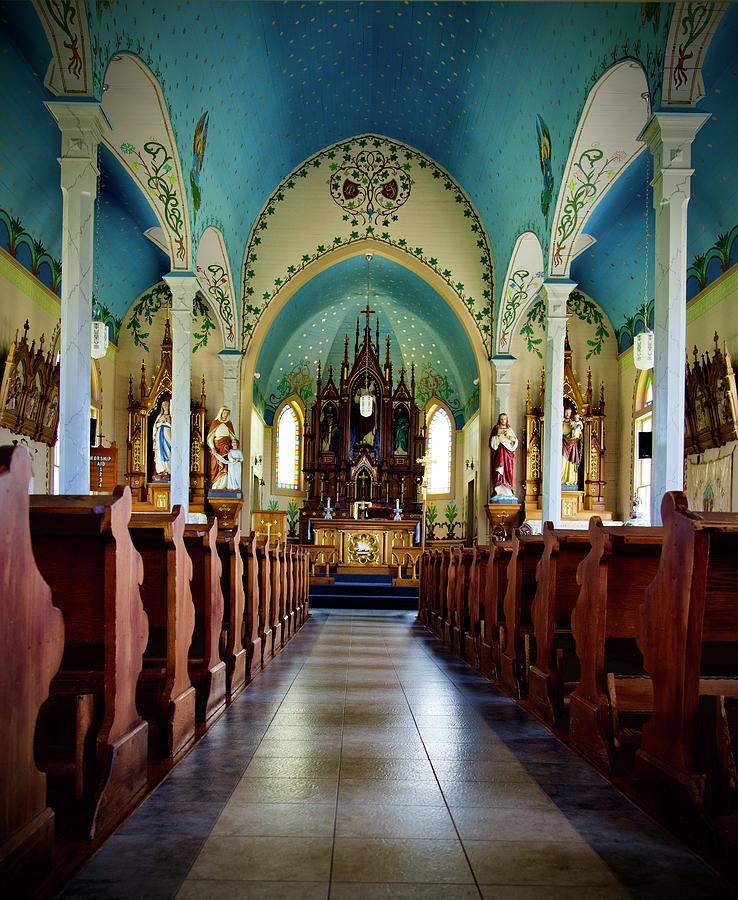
x=605 y=142
x=143 y=141
x=522 y=282
x=213 y=270
x=690 y=33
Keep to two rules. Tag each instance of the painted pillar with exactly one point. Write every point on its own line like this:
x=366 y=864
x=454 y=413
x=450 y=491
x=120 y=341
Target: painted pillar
x=82 y=125
x=231 y=360
x=556 y=293
x=669 y=136
x=184 y=286
x=503 y=367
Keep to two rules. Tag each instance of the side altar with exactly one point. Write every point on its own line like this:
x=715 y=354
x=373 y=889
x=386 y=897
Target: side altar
x=149 y=443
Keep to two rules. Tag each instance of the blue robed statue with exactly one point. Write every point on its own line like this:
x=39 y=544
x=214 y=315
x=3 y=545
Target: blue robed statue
x=163 y=441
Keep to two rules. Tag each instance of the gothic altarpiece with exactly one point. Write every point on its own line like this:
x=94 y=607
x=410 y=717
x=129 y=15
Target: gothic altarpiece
x=149 y=437
x=360 y=469
x=587 y=493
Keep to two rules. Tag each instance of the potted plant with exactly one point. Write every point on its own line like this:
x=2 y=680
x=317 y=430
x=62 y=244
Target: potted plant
x=451 y=515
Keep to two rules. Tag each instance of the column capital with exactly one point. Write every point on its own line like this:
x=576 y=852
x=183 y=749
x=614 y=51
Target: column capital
x=82 y=123
x=503 y=364
x=669 y=136
x=556 y=293
x=184 y=286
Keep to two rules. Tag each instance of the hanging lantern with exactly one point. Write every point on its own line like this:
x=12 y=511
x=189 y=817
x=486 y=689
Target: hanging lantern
x=366 y=403
x=643 y=350
x=99 y=340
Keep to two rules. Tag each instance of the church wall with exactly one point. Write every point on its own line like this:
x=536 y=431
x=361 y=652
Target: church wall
x=604 y=370
x=467 y=448
x=258 y=450
x=712 y=310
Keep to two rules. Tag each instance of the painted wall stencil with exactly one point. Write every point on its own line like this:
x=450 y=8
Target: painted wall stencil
x=65 y=24
x=369 y=184
x=198 y=157
x=30 y=252
x=692 y=28
x=544 y=156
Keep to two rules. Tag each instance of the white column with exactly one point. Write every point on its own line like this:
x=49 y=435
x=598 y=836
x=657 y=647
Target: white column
x=184 y=286
x=503 y=367
x=556 y=293
x=231 y=360
x=82 y=125
x=669 y=136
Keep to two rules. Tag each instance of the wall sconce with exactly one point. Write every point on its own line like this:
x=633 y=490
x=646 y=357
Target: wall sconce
x=469 y=464
x=257 y=460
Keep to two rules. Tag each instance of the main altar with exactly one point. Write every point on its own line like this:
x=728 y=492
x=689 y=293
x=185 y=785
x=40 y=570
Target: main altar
x=363 y=439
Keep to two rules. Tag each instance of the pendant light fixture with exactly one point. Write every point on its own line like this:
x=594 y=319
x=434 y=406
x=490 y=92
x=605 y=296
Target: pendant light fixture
x=366 y=400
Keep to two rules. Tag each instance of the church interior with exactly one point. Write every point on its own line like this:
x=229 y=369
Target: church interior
x=368 y=449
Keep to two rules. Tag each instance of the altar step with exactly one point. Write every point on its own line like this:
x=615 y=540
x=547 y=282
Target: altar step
x=363 y=592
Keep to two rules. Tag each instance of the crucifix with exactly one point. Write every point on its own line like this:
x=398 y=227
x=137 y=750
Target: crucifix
x=424 y=461
x=367 y=312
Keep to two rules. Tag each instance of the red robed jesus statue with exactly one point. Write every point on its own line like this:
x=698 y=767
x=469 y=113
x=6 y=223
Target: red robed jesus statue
x=503 y=442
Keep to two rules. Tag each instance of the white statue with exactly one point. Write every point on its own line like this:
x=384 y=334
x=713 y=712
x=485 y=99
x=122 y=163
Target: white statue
x=163 y=440
x=229 y=479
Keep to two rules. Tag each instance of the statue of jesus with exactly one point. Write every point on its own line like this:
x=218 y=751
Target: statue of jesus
x=503 y=442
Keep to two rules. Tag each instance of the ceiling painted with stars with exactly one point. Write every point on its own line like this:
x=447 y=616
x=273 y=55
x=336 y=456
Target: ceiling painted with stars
x=422 y=326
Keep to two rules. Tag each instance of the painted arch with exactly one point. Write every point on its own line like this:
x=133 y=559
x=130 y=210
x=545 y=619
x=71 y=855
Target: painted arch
x=370 y=189
x=523 y=280
x=213 y=270
x=605 y=142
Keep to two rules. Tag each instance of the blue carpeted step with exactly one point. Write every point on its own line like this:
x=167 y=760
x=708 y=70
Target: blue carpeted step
x=364 y=591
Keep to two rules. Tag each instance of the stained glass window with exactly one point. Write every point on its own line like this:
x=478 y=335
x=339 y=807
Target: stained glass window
x=288 y=449
x=439 y=450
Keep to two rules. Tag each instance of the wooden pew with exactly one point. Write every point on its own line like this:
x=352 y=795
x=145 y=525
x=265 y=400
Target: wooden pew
x=232 y=576
x=449 y=623
x=84 y=551
x=165 y=694
x=556 y=595
x=688 y=634
x=284 y=601
x=289 y=606
x=31 y=646
x=612 y=579
x=266 y=632
x=443 y=567
x=207 y=670
x=275 y=578
x=463 y=641
x=304 y=581
x=250 y=619
x=521 y=588
x=423 y=590
x=489 y=586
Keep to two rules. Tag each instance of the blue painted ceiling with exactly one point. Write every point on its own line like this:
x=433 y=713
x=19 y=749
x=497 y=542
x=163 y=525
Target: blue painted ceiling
x=461 y=82
x=422 y=326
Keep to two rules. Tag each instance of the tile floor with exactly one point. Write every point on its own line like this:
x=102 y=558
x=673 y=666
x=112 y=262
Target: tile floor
x=367 y=764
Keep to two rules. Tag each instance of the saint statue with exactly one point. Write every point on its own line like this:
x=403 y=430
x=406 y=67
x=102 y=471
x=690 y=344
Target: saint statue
x=571 y=450
x=400 y=432
x=221 y=435
x=230 y=478
x=329 y=432
x=503 y=443
x=163 y=441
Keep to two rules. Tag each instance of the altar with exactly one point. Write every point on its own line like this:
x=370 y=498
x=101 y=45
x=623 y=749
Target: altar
x=366 y=545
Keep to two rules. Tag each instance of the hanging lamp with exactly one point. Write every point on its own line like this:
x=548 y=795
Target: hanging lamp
x=366 y=400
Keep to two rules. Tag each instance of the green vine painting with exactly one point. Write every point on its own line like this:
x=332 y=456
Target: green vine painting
x=580 y=306
x=150 y=303
x=40 y=258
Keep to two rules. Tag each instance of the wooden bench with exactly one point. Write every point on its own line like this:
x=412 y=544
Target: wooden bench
x=489 y=583
x=425 y=597
x=84 y=551
x=688 y=634
x=450 y=622
x=612 y=579
x=275 y=578
x=463 y=641
x=232 y=577
x=556 y=595
x=207 y=670
x=31 y=646
x=266 y=632
x=250 y=618
x=165 y=694
x=521 y=588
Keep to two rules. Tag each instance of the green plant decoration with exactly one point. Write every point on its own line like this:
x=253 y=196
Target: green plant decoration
x=451 y=515
x=431 y=517
x=293 y=514
x=272 y=505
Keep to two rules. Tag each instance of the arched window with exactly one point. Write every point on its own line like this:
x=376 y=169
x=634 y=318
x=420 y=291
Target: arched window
x=440 y=433
x=643 y=425
x=288 y=449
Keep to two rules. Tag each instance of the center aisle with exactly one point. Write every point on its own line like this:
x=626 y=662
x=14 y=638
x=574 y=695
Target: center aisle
x=366 y=763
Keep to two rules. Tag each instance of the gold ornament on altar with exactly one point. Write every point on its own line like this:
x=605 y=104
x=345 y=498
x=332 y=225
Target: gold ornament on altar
x=363 y=548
